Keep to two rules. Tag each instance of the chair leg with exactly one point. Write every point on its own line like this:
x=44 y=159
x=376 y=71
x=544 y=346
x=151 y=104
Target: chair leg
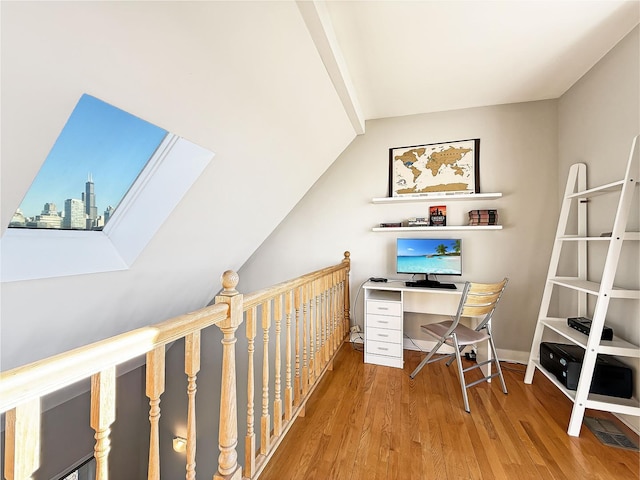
x=452 y=359
x=426 y=359
x=463 y=384
x=497 y=363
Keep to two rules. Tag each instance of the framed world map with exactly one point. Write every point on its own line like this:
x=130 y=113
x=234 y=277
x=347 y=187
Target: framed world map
x=435 y=169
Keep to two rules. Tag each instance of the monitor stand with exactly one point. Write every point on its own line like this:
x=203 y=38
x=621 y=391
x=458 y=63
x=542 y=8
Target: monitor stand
x=423 y=283
x=430 y=284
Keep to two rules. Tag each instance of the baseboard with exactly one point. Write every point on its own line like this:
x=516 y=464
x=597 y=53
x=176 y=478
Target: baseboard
x=513 y=356
x=423 y=345
x=629 y=421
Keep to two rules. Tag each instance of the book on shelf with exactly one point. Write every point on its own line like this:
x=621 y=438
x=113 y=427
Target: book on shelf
x=483 y=212
x=418 y=222
x=483 y=222
x=438 y=216
x=483 y=217
x=390 y=224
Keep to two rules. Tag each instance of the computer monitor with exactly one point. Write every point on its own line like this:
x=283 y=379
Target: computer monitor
x=429 y=256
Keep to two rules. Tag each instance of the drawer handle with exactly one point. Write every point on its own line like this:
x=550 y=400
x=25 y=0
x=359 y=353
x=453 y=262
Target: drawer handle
x=383 y=348
x=383 y=335
x=383 y=308
x=383 y=321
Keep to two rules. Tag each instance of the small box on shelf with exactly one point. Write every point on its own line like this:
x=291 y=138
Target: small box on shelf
x=438 y=215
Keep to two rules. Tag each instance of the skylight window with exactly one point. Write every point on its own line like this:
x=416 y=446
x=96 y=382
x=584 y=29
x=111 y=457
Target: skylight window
x=130 y=174
x=94 y=162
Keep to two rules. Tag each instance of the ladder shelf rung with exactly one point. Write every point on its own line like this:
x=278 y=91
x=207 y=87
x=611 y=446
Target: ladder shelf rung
x=570 y=394
x=627 y=236
x=617 y=346
x=593 y=288
x=602 y=189
x=627 y=406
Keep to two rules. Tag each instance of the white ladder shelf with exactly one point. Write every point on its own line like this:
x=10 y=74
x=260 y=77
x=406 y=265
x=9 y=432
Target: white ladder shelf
x=576 y=199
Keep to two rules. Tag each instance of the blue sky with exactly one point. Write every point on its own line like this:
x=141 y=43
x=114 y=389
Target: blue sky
x=99 y=140
x=423 y=246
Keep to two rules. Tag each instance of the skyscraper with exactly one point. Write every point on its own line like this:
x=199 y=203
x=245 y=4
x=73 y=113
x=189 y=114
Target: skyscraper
x=90 y=207
x=48 y=219
x=74 y=214
x=107 y=214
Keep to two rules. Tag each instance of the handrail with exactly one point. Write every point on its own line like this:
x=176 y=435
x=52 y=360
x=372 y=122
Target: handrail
x=310 y=312
x=48 y=375
x=259 y=296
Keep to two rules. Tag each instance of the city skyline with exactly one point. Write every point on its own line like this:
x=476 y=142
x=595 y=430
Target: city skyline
x=98 y=142
x=75 y=214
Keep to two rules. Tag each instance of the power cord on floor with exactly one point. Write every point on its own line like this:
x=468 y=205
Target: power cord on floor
x=358 y=346
x=352 y=313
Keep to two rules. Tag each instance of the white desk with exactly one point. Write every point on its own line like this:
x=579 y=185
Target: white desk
x=385 y=304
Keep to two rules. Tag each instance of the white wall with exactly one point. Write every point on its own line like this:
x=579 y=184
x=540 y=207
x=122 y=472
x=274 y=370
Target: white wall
x=597 y=119
x=518 y=145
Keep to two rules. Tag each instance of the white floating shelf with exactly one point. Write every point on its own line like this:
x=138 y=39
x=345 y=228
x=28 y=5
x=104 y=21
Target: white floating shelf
x=438 y=198
x=435 y=229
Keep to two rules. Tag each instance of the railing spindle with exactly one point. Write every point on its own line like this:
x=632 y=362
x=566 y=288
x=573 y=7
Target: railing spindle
x=318 y=327
x=265 y=419
x=250 y=439
x=154 y=389
x=297 y=380
x=288 y=393
x=22 y=441
x=328 y=337
x=310 y=336
x=277 y=402
x=191 y=369
x=103 y=414
x=337 y=313
x=305 y=339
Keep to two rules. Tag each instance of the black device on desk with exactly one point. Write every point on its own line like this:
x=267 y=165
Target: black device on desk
x=431 y=284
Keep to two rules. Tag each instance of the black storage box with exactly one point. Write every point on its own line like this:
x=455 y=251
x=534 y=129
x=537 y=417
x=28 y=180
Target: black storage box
x=610 y=377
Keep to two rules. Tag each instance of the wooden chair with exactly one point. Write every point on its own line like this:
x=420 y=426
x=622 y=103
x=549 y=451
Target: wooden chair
x=477 y=299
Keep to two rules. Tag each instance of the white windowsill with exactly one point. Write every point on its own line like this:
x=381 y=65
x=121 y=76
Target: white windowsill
x=27 y=254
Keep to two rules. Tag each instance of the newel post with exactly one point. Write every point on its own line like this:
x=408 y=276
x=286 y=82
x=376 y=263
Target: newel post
x=347 y=297
x=228 y=468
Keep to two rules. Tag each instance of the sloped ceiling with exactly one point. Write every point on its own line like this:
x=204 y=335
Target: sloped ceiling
x=415 y=57
x=426 y=56
x=250 y=82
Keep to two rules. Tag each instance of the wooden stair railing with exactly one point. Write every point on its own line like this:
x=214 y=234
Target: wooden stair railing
x=314 y=310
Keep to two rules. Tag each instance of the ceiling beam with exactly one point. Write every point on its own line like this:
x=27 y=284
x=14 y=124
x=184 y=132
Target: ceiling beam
x=318 y=22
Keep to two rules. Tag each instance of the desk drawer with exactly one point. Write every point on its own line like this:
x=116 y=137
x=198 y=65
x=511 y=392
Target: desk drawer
x=384 y=308
x=383 y=321
x=383 y=348
x=384 y=335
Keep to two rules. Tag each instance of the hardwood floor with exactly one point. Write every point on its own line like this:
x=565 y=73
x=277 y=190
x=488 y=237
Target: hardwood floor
x=371 y=422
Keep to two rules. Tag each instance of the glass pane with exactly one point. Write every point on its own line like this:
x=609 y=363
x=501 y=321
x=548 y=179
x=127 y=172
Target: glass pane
x=95 y=160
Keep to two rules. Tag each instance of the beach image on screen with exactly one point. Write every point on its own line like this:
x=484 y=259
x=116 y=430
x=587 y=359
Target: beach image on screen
x=435 y=256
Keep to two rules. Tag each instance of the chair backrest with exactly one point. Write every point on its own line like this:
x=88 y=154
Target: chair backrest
x=480 y=299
